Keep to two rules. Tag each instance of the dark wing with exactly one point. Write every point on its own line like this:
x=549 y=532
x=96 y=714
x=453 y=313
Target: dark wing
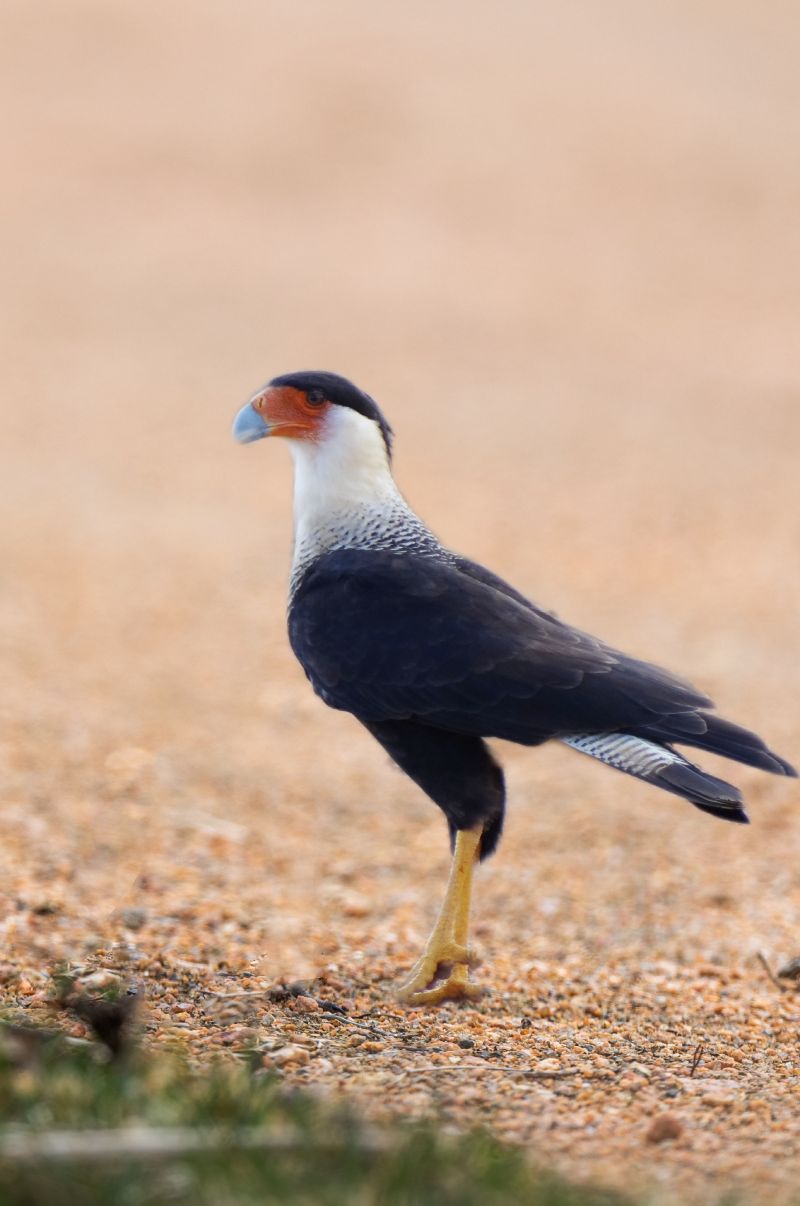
x=392 y=637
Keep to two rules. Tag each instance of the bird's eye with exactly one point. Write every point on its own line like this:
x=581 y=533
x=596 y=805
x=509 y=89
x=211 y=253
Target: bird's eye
x=315 y=397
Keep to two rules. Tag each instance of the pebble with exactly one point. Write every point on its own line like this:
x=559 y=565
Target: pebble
x=355 y=905
x=663 y=1128
x=718 y=1099
x=306 y=1005
x=286 y=1057
x=133 y=919
x=99 y=981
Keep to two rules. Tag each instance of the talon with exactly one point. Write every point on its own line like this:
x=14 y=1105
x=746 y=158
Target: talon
x=442 y=971
x=425 y=991
x=441 y=974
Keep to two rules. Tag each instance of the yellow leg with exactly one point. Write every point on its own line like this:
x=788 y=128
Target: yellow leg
x=442 y=970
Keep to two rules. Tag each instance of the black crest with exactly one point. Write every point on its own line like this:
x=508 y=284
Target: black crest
x=340 y=392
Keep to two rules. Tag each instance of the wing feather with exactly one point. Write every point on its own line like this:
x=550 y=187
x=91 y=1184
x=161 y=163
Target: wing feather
x=391 y=637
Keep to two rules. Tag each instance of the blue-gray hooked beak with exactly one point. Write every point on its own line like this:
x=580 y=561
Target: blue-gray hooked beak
x=248 y=425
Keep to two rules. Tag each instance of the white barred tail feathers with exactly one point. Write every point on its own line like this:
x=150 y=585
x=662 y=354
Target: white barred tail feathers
x=662 y=767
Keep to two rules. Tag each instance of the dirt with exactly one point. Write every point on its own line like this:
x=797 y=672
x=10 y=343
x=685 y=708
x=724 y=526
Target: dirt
x=561 y=249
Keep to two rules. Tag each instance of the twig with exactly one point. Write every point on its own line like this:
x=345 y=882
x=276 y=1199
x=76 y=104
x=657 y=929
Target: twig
x=187 y=964
x=374 y=1031
x=762 y=958
x=365 y=1029
x=277 y=995
x=147 y=1143
x=699 y=1051
x=530 y=1073
x=234 y=996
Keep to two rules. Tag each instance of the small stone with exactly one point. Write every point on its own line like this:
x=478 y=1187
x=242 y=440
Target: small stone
x=99 y=981
x=548 y=1065
x=355 y=905
x=466 y=1043
x=133 y=919
x=287 y=1057
x=235 y=1036
x=663 y=1128
x=306 y=1005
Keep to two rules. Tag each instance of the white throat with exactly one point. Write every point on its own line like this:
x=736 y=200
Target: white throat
x=345 y=495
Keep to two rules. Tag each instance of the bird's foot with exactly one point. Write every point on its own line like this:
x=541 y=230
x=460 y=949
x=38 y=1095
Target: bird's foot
x=440 y=974
x=442 y=971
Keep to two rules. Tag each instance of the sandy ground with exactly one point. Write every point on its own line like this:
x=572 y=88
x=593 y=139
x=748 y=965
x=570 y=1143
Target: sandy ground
x=560 y=245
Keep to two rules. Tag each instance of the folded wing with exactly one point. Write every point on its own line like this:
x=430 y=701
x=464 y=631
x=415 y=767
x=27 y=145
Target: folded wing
x=390 y=637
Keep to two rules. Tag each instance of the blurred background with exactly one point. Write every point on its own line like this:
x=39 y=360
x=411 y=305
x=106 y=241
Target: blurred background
x=560 y=245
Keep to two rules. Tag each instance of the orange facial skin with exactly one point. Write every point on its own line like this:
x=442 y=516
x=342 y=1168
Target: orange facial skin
x=289 y=413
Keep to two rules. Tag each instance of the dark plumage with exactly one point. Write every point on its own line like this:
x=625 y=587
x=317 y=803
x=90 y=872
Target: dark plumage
x=422 y=645
x=433 y=653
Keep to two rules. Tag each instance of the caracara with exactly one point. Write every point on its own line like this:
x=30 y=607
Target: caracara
x=433 y=653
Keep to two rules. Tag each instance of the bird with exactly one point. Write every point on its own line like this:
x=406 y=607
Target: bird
x=434 y=654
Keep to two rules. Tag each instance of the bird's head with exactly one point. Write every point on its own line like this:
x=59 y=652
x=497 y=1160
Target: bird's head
x=312 y=409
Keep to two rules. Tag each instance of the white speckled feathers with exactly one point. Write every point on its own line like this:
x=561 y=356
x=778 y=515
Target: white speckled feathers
x=345 y=496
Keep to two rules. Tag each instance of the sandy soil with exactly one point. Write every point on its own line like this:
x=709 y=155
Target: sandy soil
x=561 y=247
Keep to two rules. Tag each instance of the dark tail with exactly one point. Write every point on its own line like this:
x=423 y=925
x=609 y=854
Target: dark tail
x=706 y=792
x=647 y=754
x=720 y=737
x=663 y=767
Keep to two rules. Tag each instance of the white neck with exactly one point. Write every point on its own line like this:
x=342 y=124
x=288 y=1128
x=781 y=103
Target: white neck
x=345 y=495
x=344 y=470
